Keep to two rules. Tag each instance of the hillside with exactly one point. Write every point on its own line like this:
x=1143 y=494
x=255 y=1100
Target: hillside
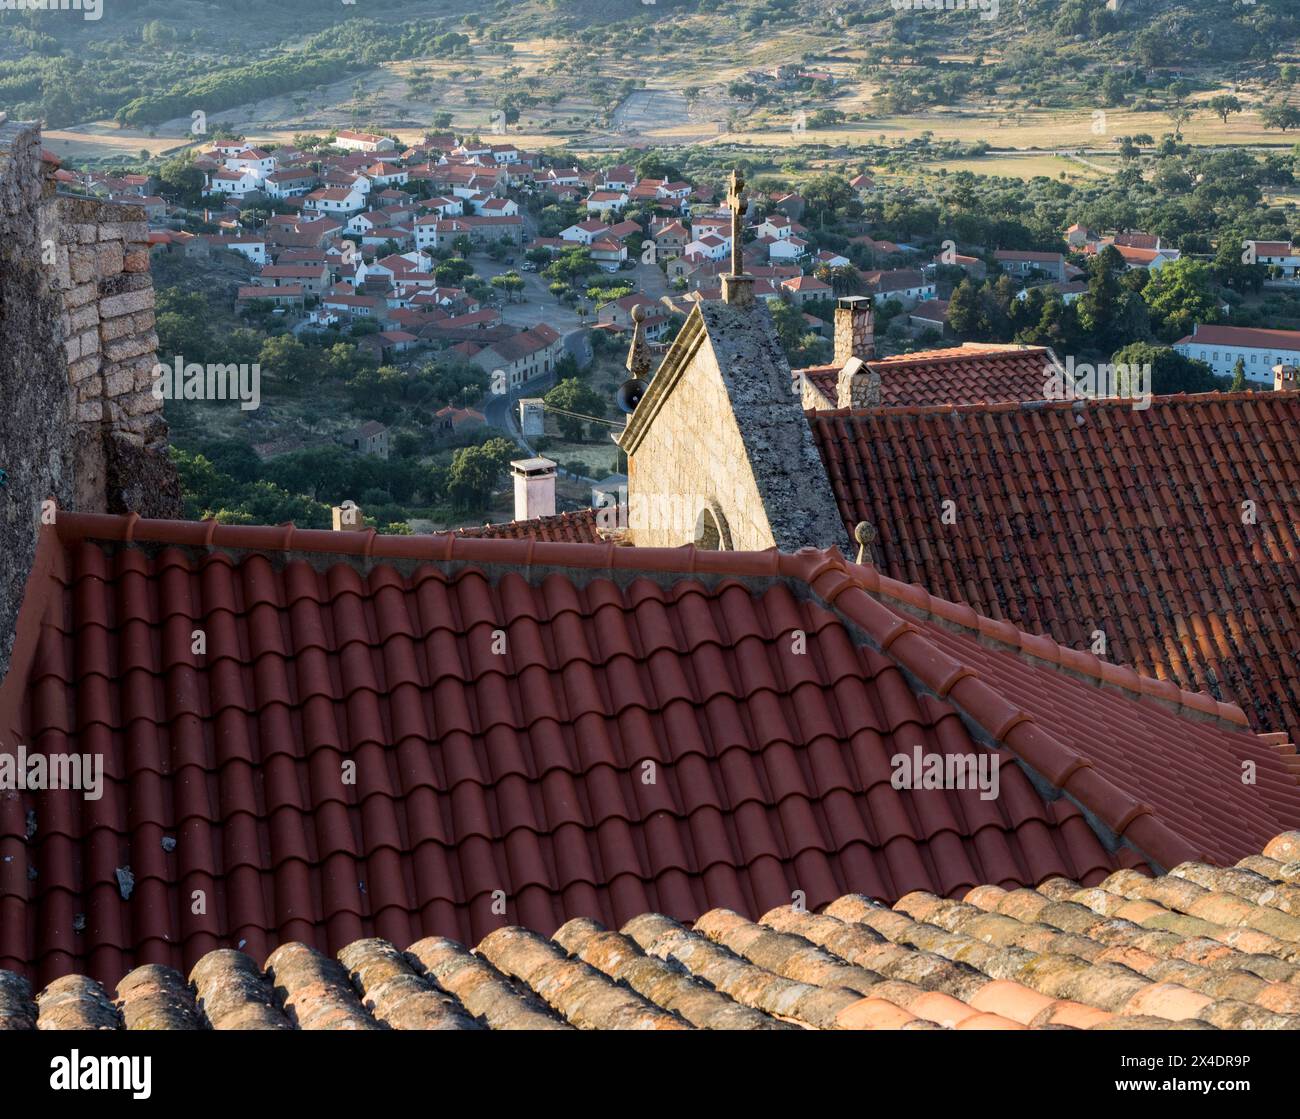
x=1042 y=74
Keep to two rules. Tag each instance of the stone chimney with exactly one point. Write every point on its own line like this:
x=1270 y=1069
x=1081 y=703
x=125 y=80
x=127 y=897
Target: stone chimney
x=858 y=385
x=854 y=334
x=348 y=517
x=1286 y=378
x=534 y=488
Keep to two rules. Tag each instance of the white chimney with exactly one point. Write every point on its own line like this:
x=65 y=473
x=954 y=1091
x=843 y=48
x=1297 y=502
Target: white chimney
x=534 y=488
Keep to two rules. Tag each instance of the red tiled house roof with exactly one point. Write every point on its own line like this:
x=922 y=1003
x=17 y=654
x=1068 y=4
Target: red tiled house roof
x=1072 y=518
x=577 y=527
x=1202 y=948
x=970 y=374
x=524 y=772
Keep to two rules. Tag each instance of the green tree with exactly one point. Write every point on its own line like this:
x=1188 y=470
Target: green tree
x=1238 y=376
x=180 y=179
x=1171 y=372
x=1179 y=296
x=182 y=326
x=1280 y=116
x=573 y=395
x=1112 y=89
x=475 y=471
x=964 y=314
x=323 y=473
x=452 y=272
x=509 y=282
x=1099 y=306
x=283 y=356
x=1224 y=104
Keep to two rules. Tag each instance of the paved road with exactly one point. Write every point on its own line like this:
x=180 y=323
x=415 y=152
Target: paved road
x=536 y=304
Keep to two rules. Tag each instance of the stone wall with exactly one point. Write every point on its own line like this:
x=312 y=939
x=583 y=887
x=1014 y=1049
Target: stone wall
x=693 y=456
x=722 y=429
x=79 y=422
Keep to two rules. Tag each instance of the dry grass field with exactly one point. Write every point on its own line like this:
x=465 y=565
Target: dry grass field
x=404 y=97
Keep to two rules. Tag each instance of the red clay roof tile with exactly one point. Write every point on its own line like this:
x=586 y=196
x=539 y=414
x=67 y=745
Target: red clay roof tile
x=1183 y=585
x=968 y=374
x=519 y=773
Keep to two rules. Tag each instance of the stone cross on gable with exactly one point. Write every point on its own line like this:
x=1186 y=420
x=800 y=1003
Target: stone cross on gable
x=736 y=203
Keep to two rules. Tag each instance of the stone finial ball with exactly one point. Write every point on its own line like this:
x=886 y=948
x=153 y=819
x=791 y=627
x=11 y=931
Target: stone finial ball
x=638 y=313
x=864 y=533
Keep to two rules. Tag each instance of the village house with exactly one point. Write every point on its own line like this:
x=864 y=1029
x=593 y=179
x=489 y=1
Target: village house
x=1079 y=237
x=336 y=200
x=234 y=183
x=907 y=285
x=248 y=246
x=370 y=438
x=253 y=160
x=791 y=205
x=352 y=305
x=608 y=253
x=450 y=419
x=671 y=240
x=314 y=279
x=708 y=247
x=1220 y=347
x=806 y=289
x=584 y=233
x=931 y=314
x=784 y=248
x=711 y=225
x=498 y=208
x=618 y=312
x=285 y=295
x=363 y=142
x=971 y=265
x=154 y=206
x=1279 y=255
x=523 y=357
x=776 y=226
x=1022 y=263
x=1068 y=292
x=384 y=175
x=289 y=183
x=620 y=179
x=601 y=200
x=828 y=259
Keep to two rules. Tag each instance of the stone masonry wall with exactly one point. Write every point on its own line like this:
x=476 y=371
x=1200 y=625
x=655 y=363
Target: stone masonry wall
x=78 y=419
x=691 y=455
x=855 y=333
x=721 y=428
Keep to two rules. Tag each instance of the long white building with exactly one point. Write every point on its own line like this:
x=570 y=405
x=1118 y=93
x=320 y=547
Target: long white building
x=1220 y=347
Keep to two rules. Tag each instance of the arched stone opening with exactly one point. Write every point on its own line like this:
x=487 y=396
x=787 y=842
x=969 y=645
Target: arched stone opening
x=711 y=532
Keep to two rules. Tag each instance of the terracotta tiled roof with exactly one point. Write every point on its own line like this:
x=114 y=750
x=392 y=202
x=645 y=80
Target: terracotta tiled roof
x=969 y=374
x=1075 y=517
x=1245 y=336
x=578 y=527
x=1202 y=948
x=768 y=692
